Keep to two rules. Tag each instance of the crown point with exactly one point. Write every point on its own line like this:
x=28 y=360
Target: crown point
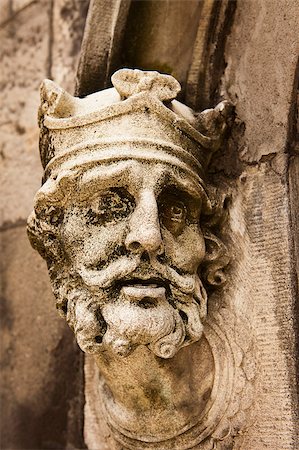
x=130 y=82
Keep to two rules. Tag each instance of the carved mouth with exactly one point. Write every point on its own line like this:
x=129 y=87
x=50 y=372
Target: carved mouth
x=146 y=293
x=143 y=283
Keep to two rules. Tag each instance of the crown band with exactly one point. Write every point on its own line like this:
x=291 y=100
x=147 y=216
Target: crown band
x=101 y=151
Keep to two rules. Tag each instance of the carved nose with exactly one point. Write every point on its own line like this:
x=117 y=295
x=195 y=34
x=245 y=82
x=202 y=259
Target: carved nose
x=144 y=239
x=144 y=233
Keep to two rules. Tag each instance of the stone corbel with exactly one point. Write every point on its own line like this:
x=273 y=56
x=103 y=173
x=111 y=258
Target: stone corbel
x=130 y=229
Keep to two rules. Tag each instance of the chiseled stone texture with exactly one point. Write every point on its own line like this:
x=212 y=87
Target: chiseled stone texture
x=39 y=366
x=261 y=287
x=35 y=42
x=261 y=56
x=147 y=43
x=24 y=39
x=68 y=23
x=131 y=232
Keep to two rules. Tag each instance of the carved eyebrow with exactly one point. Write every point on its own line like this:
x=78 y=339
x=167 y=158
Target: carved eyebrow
x=183 y=183
x=102 y=177
x=120 y=173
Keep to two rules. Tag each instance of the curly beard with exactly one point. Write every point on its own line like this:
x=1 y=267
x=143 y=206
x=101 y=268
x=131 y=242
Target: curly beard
x=165 y=319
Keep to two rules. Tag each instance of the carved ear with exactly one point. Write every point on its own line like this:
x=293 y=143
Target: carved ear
x=44 y=238
x=216 y=259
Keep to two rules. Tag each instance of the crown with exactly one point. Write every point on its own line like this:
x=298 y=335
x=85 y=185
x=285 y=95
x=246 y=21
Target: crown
x=138 y=118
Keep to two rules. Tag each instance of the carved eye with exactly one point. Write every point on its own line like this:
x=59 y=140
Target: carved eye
x=177 y=212
x=173 y=213
x=113 y=205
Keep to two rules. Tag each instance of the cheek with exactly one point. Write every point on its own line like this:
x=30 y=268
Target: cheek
x=187 y=250
x=91 y=244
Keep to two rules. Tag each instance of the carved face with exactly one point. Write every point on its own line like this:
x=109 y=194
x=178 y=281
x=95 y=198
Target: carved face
x=132 y=235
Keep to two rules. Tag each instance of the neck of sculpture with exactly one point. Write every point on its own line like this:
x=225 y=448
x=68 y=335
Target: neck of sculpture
x=162 y=396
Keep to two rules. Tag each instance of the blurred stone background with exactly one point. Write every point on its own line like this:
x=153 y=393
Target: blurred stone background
x=248 y=53
x=41 y=366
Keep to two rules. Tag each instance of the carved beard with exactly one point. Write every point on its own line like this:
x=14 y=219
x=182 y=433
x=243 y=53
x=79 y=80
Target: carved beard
x=163 y=324
x=110 y=318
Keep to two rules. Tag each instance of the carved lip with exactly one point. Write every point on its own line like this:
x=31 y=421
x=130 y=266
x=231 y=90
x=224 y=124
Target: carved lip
x=146 y=296
x=143 y=283
x=146 y=293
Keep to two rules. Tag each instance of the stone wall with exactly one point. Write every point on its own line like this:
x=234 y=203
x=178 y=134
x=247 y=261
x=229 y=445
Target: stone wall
x=42 y=373
x=261 y=77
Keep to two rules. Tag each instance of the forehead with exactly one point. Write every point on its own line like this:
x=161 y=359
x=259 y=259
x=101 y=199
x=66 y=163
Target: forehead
x=137 y=175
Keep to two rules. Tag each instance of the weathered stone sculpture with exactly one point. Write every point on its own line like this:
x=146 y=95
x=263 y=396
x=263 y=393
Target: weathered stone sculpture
x=127 y=224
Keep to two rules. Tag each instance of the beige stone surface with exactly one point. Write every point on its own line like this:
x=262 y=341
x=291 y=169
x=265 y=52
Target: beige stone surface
x=33 y=47
x=261 y=56
x=24 y=55
x=147 y=42
x=38 y=401
x=68 y=22
x=261 y=286
x=38 y=354
x=9 y=9
x=5 y=11
x=18 y=5
x=132 y=237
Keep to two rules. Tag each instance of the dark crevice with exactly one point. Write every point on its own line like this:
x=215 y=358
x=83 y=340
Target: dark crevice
x=11 y=225
x=213 y=61
x=13 y=14
x=147 y=303
x=292 y=183
x=145 y=257
x=184 y=316
x=293 y=118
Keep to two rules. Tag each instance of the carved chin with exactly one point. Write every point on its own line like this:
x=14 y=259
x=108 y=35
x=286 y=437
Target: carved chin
x=139 y=316
x=130 y=324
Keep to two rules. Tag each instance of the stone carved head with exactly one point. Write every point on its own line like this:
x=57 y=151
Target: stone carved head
x=125 y=218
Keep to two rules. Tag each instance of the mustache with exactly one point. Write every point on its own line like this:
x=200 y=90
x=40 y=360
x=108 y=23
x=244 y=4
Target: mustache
x=127 y=268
